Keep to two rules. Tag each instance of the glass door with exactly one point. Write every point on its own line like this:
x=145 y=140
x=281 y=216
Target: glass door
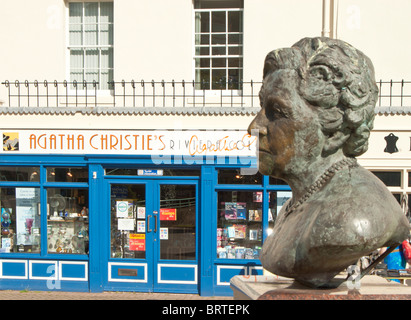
x=176 y=249
x=153 y=235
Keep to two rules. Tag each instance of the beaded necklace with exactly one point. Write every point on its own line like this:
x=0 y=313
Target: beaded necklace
x=321 y=181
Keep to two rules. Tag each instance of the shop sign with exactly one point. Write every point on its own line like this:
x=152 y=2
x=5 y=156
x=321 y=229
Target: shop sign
x=133 y=142
x=389 y=145
x=149 y=172
x=168 y=214
x=137 y=242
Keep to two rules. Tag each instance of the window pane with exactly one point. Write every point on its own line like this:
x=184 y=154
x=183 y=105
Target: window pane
x=211 y=4
x=235 y=39
x=67 y=220
x=180 y=200
x=219 y=79
x=128 y=241
x=76 y=12
x=107 y=58
x=106 y=12
x=234 y=77
x=202 y=51
x=202 y=22
x=409 y=179
x=275 y=202
x=239 y=226
x=90 y=12
x=203 y=39
x=235 y=51
x=203 y=63
x=20 y=219
x=203 y=79
x=233 y=176
x=390 y=179
x=218 y=39
x=106 y=34
x=19 y=174
x=91 y=36
x=76 y=59
x=106 y=77
x=76 y=35
x=218 y=21
x=219 y=51
x=77 y=76
x=63 y=174
x=275 y=181
x=234 y=21
x=219 y=63
x=234 y=62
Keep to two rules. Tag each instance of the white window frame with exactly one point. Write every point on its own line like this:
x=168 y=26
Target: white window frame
x=404 y=190
x=90 y=90
x=226 y=91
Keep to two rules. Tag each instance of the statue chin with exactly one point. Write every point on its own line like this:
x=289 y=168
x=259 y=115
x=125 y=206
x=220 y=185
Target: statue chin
x=265 y=164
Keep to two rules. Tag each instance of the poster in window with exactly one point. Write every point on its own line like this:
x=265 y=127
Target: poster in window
x=163 y=233
x=282 y=198
x=137 y=242
x=168 y=214
x=26 y=213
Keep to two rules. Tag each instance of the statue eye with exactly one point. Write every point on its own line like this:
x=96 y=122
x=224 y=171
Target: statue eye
x=274 y=112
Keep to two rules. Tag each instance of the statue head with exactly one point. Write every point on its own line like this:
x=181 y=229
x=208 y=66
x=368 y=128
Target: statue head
x=336 y=83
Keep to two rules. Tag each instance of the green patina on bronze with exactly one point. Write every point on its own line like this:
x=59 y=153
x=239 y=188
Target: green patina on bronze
x=317 y=112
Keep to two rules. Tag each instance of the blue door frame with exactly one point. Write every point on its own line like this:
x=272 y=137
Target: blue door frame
x=150 y=273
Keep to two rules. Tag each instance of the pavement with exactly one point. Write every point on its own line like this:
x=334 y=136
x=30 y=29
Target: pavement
x=59 y=295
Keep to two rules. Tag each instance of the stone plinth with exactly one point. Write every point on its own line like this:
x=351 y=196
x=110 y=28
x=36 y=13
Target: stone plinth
x=371 y=287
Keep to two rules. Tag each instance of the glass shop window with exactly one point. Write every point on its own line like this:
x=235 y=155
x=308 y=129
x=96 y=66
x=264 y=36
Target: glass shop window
x=67 y=220
x=13 y=173
x=234 y=176
x=390 y=178
x=275 y=181
x=239 y=224
x=276 y=201
x=65 y=174
x=128 y=225
x=20 y=219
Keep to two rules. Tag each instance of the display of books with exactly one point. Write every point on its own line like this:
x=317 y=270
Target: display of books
x=239 y=232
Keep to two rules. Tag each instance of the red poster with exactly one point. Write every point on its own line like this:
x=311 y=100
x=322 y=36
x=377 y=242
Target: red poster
x=137 y=242
x=168 y=214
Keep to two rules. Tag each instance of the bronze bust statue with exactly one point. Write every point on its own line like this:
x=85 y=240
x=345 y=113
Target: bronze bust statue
x=317 y=111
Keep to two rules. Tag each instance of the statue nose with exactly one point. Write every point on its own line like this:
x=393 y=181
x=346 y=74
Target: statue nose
x=257 y=127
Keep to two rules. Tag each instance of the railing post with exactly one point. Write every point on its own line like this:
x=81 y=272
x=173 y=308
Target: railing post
x=134 y=92
x=57 y=92
x=184 y=92
x=123 y=84
x=17 y=85
x=27 y=84
x=154 y=92
x=144 y=93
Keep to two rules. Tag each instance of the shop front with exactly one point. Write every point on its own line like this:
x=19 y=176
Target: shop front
x=149 y=211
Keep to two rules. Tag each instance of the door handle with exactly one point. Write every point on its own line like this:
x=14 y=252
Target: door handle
x=148 y=224
x=155 y=223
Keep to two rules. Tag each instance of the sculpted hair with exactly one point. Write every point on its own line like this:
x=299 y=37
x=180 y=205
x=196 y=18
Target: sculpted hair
x=340 y=80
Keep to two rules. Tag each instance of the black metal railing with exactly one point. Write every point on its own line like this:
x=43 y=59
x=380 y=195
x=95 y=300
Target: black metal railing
x=394 y=93
x=129 y=94
x=162 y=94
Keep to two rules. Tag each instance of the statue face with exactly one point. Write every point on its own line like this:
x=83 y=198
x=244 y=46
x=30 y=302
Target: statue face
x=289 y=131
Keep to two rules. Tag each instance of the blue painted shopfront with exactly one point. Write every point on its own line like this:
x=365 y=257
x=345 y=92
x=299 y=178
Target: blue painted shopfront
x=139 y=226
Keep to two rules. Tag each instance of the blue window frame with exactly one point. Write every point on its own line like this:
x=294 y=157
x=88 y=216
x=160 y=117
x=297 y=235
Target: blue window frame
x=28 y=221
